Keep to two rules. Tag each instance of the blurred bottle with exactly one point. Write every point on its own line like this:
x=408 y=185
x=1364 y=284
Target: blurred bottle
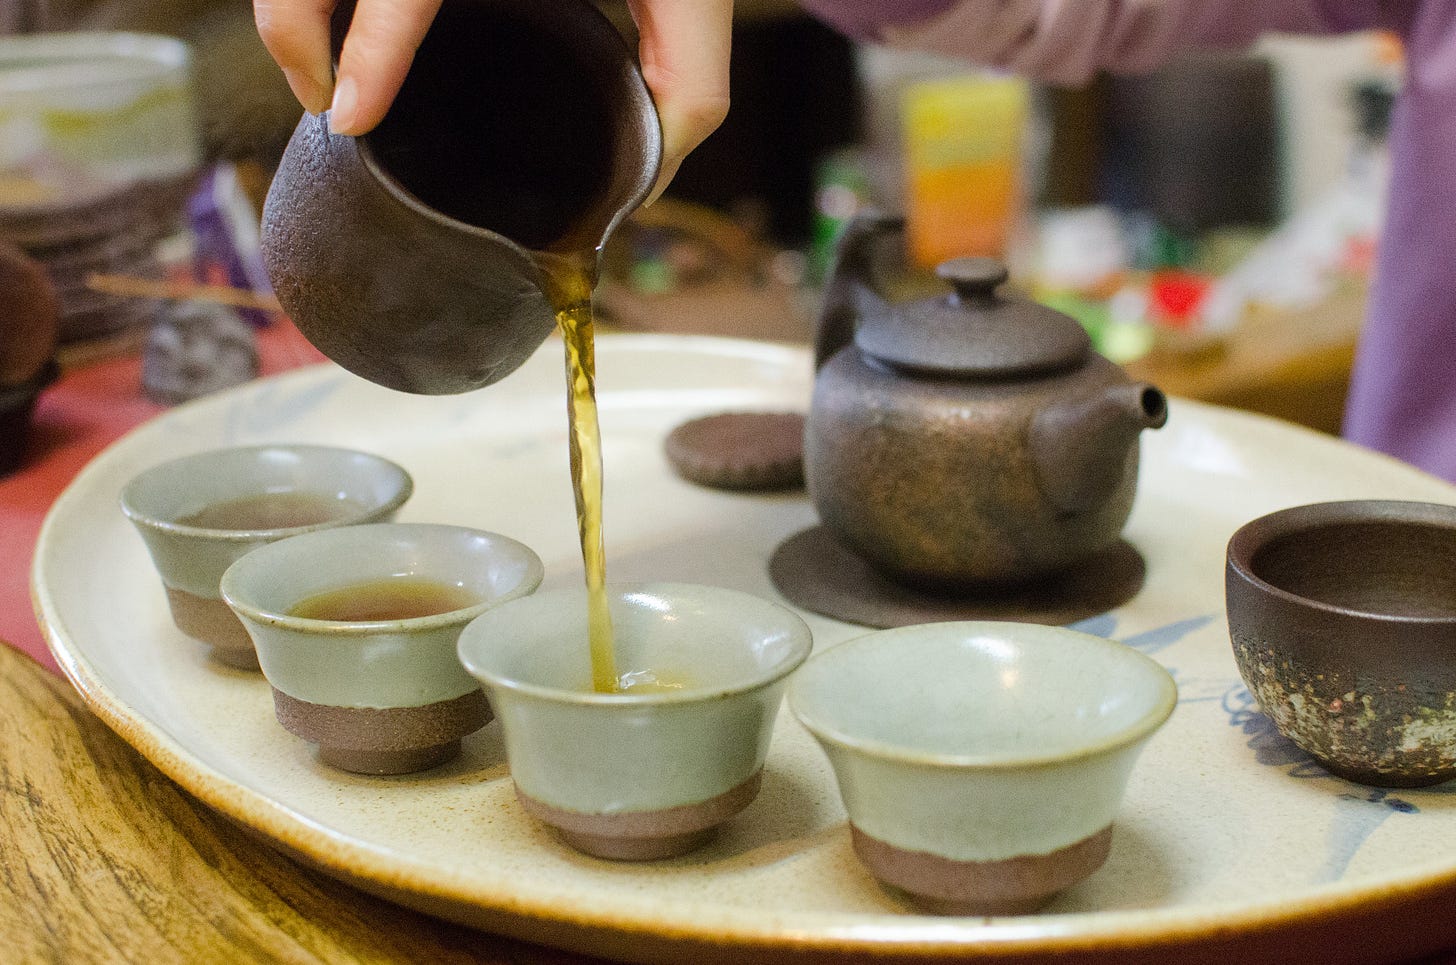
x=964 y=157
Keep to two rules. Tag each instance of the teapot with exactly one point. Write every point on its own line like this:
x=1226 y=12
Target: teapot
x=969 y=439
x=411 y=255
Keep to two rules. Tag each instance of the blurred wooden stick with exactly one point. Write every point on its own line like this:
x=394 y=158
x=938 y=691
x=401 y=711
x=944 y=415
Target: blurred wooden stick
x=131 y=287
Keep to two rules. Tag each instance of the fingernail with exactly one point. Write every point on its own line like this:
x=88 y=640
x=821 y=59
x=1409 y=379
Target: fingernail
x=313 y=97
x=344 y=108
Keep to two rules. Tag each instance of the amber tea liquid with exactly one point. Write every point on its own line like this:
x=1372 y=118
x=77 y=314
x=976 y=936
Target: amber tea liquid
x=280 y=510
x=395 y=598
x=569 y=285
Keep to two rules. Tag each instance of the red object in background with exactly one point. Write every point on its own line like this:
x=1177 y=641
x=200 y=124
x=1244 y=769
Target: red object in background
x=77 y=417
x=1175 y=298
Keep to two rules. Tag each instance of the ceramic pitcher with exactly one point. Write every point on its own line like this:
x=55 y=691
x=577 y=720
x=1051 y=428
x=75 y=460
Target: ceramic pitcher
x=406 y=255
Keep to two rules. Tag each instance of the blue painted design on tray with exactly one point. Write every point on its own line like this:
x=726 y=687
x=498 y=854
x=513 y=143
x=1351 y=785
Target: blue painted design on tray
x=1359 y=811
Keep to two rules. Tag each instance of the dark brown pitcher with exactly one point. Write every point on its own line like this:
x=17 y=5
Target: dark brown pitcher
x=405 y=255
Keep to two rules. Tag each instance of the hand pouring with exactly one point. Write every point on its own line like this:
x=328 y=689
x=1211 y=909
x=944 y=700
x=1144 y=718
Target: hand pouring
x=407 y=255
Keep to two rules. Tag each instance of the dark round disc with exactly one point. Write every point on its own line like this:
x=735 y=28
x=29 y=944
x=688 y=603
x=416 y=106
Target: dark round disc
x=740 y=450
x=815 y=571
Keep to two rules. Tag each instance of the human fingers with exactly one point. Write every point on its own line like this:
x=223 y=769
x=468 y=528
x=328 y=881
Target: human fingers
x=378 y=50
x=684 y=50
x=296 y=33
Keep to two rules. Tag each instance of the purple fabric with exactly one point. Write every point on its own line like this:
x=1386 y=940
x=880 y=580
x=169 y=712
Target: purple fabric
x=862 y=19
x=1403 y=393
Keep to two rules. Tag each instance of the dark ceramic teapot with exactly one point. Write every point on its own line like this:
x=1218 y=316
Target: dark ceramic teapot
x=971 y=438
x=408 y=255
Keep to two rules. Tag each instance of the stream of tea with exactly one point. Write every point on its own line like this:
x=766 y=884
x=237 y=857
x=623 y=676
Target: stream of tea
x=569 y=284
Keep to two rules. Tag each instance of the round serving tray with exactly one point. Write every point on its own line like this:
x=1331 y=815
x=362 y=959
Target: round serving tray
x=1230 y=844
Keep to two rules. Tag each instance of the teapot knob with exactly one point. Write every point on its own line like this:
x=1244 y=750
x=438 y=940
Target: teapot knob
x=973 y=278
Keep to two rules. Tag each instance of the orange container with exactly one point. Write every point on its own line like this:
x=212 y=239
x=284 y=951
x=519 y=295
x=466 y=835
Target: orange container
x=963 y=140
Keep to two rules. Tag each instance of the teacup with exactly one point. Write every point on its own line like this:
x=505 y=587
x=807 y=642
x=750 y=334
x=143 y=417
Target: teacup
x=982 y=764
x=649 y=772
x=379 y=692
x=200 y=513
x=1342 y=617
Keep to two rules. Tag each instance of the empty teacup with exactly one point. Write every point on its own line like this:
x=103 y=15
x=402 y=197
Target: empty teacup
x=356 y=631
x=982 y=764
x=200 y=513
x=649 y=772
x=1343 y=622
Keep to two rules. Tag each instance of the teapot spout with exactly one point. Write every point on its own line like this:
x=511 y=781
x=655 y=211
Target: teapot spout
x=1083 y=450
x=850 y=291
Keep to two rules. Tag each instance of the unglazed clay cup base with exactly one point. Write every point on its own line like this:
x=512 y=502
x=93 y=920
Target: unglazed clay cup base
x=644 y=835
x=384 y=740
x=1013 y=886
x=214 y=623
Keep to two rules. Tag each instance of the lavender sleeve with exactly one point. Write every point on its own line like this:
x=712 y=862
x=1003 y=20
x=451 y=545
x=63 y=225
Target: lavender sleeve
x=1067 y=41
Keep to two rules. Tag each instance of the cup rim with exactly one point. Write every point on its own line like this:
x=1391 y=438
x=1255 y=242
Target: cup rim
x=366 y=514
x=227 y=586
x=1257 y=533
x=801 y=646
x=1144 y=726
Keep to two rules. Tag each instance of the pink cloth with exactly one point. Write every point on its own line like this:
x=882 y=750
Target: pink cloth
x=1403 y=393
x=76 y=418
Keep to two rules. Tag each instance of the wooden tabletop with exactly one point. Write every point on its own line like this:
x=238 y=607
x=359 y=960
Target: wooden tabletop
x=104 y=859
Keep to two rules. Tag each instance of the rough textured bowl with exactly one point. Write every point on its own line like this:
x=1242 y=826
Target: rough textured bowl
x=982 y=763
x=637 y=776
x=1342 y=617
x=192 y=559
x=386 y=696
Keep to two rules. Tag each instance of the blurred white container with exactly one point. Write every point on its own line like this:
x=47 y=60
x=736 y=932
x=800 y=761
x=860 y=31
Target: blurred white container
x=99 y=149
x=88 y=112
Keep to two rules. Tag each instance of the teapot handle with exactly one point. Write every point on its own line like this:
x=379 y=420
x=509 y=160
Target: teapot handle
x=851 y=285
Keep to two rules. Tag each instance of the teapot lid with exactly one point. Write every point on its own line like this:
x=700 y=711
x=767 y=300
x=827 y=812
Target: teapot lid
x=972 y=331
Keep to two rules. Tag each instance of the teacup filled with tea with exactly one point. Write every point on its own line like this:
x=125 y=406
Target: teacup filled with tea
x=650 y=766
x=356 y=631
x=200 y=513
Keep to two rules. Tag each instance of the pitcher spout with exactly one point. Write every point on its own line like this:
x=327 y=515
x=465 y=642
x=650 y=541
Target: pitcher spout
x=1083 y=449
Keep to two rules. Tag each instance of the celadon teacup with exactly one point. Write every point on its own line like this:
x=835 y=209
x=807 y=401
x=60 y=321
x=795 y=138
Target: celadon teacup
x=650 y=772
x=342 y=487
x=378 y=696
x=982 y=763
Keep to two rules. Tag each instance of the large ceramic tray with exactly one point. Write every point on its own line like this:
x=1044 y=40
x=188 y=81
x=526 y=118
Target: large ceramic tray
x=1229 y=845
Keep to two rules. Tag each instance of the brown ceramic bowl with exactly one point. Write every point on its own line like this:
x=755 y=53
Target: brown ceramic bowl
x=1343 y=622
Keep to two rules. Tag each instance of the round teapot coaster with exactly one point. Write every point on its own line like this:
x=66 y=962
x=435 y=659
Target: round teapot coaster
x=758 y=451
x=817 y=572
